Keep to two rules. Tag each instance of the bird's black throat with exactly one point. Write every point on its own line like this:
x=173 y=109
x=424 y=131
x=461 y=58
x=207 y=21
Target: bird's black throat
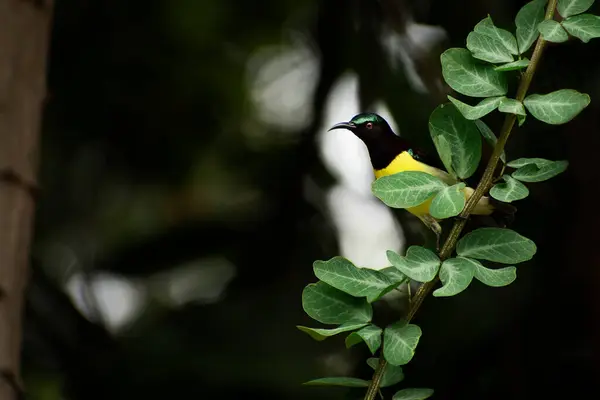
x=384 y=149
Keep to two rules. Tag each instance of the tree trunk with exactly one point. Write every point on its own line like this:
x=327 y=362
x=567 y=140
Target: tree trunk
x=24 y=37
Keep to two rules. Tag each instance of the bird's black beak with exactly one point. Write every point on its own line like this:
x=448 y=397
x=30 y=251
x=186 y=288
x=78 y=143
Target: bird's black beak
x=343 y=125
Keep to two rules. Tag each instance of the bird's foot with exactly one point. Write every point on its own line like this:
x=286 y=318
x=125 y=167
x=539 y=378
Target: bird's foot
x=434 y=226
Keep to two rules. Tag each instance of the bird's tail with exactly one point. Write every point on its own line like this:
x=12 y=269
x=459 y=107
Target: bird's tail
x=503 y=214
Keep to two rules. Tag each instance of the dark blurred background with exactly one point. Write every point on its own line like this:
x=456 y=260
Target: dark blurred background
x=189 y=183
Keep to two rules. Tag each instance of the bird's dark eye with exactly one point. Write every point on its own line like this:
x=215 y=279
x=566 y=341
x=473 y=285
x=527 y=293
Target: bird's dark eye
x=369 y=125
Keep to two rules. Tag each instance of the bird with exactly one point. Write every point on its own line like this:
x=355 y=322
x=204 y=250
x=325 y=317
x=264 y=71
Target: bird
x=391 y=154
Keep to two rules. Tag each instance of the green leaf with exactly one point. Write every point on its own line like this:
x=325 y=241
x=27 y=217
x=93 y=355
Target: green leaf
x=488 y=48
x=513 y=66
x=489 y=136
x=558 y=107
x=566 y=8
x=328 y=305
x=394 y=274
x=461 y=134
x=521 y=162
x=406 y=189
x=467 y=76
x=510 y=190
x=370 y=334
x=496 y=244
x=358 y=282
x=339 y=381
x=399 y=342
x=521 y=119
x=533 y=173
x=413 y=394
x=420 y=264
x=445 y=152
x=392 y=375
x=511 y=106
x=484 y=107
x=486 y=27
x=456 y=274
x=373 y=362
x=322 y=334
x=449 y=202
x=553 y=31
x=527 y=20
x=494 y=277
x=585 y=27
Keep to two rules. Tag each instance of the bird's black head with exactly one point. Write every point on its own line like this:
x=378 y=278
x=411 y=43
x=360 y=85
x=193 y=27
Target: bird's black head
x=374 y=131
x=369 y=127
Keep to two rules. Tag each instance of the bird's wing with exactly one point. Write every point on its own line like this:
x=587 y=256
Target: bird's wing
x=425 y=157
x=443 y=175
x=435 y=166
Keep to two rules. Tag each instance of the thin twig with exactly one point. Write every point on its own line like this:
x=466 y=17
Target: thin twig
x=10 y=177
x=11 y=380
x=481 y=189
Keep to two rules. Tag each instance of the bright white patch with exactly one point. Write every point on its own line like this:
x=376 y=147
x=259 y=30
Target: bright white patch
x=282 y=82
x=203 y=281
x=119 y=301
x=366 y=227
x=344 y=154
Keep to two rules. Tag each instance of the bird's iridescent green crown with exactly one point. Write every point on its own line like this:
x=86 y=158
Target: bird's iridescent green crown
x=366 y=117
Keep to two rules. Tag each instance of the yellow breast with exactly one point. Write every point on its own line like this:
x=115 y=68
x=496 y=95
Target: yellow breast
x=405 y=162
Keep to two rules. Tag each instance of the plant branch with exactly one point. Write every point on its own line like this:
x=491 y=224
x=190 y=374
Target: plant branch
x=482 y=188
